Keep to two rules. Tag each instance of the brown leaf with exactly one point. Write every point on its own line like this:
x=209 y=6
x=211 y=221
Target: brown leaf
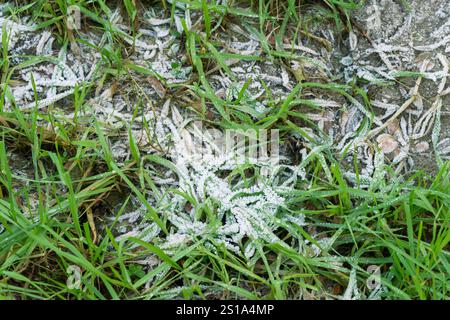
x=387 y=143
x=422 y=146
x=90 y=218
x=157 y=85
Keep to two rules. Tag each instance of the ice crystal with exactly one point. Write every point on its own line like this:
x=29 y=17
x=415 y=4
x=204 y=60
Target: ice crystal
x=242 y=211
x=55 y=75
x=352 y=291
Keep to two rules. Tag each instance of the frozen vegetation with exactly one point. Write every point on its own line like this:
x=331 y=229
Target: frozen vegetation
x=114 y=158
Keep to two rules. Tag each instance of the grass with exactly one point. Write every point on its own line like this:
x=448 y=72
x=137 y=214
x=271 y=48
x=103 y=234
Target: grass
x=400 y=224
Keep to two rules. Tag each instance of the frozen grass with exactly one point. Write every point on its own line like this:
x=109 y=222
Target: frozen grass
x=56 y=216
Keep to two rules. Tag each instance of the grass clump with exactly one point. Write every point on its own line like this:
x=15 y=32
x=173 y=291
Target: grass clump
x=64 y=191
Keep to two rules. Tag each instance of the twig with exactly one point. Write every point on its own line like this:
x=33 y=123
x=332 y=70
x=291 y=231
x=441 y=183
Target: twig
x=405 y=105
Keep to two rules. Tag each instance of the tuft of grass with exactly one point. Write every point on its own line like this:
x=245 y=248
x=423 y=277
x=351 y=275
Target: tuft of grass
x=60 y=247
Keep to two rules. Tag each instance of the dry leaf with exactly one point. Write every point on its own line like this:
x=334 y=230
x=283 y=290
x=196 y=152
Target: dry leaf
x=422 y=147
x=90 y=218
x=157 y=85
x=297 y=70
x=387 y=143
